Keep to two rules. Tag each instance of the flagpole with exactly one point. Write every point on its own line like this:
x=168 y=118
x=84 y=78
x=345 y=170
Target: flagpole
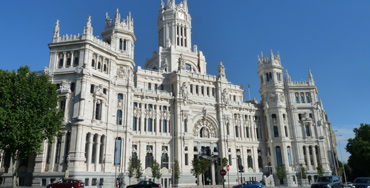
x=249 y=92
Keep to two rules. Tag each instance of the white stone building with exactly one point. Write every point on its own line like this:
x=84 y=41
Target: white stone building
x=172 y=110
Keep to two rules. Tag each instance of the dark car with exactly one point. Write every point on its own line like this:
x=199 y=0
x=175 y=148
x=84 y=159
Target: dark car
x=67 y=183
x=361 y=182
x=143 y=184
x=249 y=184
x=327 y=182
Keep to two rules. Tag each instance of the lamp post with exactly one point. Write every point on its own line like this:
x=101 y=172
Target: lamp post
x=332 y=151
x=344 y=170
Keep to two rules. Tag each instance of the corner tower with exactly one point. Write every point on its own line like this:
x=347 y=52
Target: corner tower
x=120 y=34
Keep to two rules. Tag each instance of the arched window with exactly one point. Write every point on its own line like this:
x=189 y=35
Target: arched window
x=278 y=156
x=289 y=156
x=99 y=65
x=149 y=156
x=308 y=97
x=93 y=63
x=120 y=44
x=124 y=44
x=164 y=157
x=101 y=150
x=87 y=145
x=105 y=68
x=94 y=149
x=120 y=96
x=117 y=151
x=188 y=67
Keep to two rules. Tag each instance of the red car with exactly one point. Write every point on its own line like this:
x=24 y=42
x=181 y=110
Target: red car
x=67 y=183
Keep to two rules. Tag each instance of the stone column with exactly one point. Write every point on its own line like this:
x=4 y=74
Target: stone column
x=314 y=157
x=89 y=152
x=213 y=173
x=255 y=159
x=62 y=152
x=97 y=153
x=308 y=158
x=52 y=155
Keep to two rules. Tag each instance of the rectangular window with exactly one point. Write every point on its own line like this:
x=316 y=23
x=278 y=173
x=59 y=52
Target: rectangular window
x=68 y=62
x=119 y=117
x=149 y=86
x=286 y=131
x=98 y=110
x=289 y=157
x=230 y=161
x=247 y=132
x=257 y=133
x=276 y=131
x=63 y=104
x=150 y=125
x=92 y=88
x=236 y=131
x=120 y=97
x=308 y=130
x=186 y=159
x=164 y=126
x=61 y=63
x=134 y=123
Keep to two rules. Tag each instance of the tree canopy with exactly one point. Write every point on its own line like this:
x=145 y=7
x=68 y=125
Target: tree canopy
x=28 y=112
x=359 y=148
x=156 y=170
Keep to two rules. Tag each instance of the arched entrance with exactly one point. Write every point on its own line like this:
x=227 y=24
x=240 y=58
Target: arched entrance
x=206 y=148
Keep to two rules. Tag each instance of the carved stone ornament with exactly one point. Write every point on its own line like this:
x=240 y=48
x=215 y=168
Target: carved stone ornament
x=272 y=97
x=164 y=151
x=207 y=124
x=225 y=96
x=184 y=90
x=282 y=97
x=122 y=72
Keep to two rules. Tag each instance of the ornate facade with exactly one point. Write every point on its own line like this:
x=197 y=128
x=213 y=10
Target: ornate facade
x=172 y=110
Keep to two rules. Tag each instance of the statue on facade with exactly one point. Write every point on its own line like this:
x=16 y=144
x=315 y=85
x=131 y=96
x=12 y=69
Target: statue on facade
x=184 y=90
x=221 y=70
x=225 y=96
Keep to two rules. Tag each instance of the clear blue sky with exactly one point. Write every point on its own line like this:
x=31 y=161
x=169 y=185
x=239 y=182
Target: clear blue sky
x=332 y=38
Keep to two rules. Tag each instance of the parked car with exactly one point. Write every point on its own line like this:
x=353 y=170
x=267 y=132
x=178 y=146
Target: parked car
x=67 y=183
x=327 y=182
x=143 y=184
x=249 y=184
x=361 y=182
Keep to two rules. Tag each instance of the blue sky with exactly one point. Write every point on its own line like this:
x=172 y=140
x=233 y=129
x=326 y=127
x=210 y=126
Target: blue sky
x=329 y=37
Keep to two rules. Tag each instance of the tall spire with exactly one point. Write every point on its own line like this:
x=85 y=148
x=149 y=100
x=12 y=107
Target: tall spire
x=88 y=29
x=117 y=17
x=56 y=29
x=310 y=78
x=287 y=77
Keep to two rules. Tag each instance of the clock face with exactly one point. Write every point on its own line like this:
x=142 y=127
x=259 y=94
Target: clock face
x=181 y=15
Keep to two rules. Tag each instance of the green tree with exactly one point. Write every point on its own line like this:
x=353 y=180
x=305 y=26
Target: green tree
x=156 y=170
x=204 y=167
x=359 y=148
x=28 y=113
x=303 y=172
x=196 y=170
x=131 y=169
x=177 y=171
x=319 y=169
x=138 y=169
x=280 y=172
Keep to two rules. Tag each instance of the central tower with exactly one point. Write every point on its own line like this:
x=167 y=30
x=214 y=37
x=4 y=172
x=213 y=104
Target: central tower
x=174 y=25
x=174 y=40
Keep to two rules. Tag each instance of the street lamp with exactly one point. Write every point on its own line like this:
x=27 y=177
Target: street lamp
x=344 y=170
